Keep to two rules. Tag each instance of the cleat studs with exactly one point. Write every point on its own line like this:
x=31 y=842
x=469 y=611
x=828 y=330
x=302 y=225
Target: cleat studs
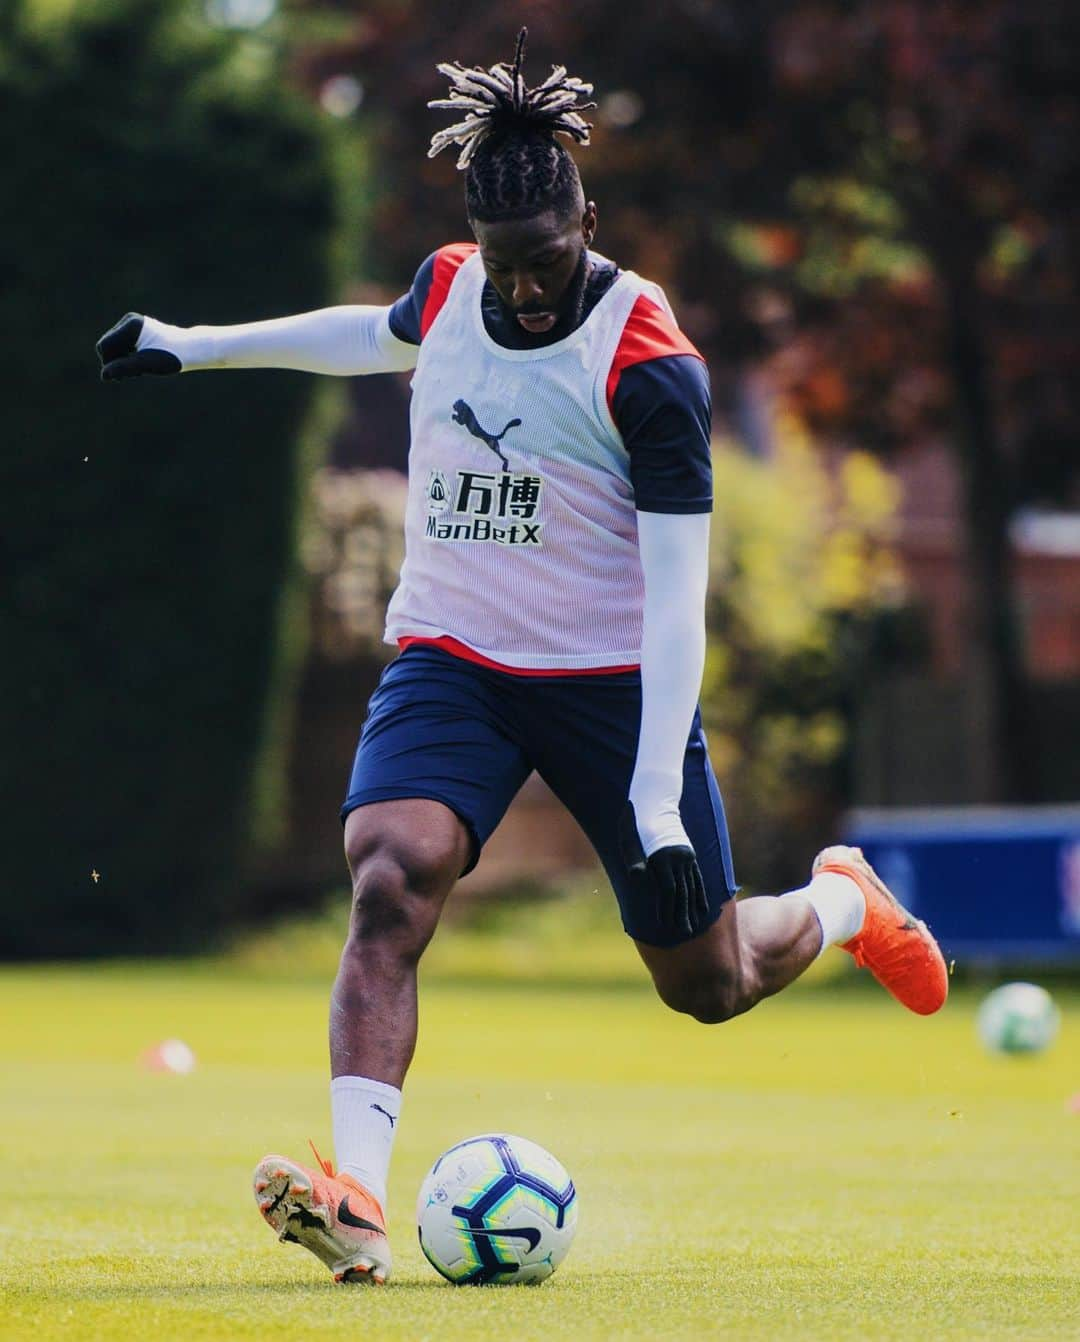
x=261 y=1185
x=364 y=1271
x=297 y=1189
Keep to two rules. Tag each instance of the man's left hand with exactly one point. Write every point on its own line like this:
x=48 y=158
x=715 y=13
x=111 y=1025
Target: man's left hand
x=674 y=875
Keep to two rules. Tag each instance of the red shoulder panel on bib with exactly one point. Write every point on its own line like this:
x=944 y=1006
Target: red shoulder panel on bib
x=649 y=333
x=448 y=261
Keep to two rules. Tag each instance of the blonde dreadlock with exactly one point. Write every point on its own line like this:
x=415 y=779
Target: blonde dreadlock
x=514 y=165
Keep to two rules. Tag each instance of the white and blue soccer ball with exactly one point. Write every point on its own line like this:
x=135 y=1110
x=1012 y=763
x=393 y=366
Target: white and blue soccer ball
x=496 y=1210
x=1018 y=1018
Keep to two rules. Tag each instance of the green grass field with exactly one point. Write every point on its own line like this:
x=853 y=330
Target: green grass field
x=826 y=1167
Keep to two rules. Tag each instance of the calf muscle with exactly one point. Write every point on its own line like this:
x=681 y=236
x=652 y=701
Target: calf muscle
x=754 y=949
x=404 y=857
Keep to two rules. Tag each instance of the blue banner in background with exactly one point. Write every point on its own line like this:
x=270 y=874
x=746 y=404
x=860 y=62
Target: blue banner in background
x=994 y=883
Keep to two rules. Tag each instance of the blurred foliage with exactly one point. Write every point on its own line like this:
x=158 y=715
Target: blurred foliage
x=352 y=547
x=872 y=202
x=804 y=576
x=147 y=525
x=867 y=209
x=847 y=158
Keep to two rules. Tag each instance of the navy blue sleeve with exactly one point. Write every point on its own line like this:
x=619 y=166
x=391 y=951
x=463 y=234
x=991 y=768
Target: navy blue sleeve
x=406 y=313
x=663 y=409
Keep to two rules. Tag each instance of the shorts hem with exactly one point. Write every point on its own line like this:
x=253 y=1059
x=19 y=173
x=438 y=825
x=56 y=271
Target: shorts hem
x=679 y=939
x=368 y=795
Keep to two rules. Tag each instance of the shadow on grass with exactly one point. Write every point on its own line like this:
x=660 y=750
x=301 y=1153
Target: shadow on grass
x=211 y=1291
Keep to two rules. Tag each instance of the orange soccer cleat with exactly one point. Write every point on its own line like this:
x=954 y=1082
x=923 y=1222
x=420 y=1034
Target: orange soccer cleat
x=896 y=947
x=330 y=1214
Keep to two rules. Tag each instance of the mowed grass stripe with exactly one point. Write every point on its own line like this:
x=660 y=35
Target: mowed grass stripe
x=828 y=1166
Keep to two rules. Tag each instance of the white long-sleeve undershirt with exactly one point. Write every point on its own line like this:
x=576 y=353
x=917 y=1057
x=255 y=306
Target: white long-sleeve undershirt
x=341 y=341
x=675 y=562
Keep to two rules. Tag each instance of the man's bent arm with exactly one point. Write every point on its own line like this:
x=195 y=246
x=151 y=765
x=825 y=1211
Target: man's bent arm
x=675 y=562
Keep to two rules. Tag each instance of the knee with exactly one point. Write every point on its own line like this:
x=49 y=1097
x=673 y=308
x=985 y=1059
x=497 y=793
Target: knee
x=380 y=898
x=710 y=1000
x=388 y=858
x=396 y=901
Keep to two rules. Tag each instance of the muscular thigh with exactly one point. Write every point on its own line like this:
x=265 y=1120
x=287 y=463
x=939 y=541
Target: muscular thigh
x=437 y=731
x=427 y=841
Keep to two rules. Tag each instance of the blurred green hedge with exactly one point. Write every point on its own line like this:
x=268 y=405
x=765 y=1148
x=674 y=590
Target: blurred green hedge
x=157 y=166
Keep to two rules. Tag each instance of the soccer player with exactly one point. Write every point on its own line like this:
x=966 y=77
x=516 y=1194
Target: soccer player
x=549 y=616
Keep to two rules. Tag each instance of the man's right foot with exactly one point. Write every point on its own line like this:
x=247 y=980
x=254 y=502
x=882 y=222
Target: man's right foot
x=330 y=1214
x=897 y=948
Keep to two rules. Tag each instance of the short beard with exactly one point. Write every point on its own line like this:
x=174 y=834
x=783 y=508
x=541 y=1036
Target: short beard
x=573 y=301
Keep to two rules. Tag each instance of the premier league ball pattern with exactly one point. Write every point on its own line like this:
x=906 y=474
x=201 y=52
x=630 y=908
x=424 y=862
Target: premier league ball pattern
x=1018 y=1018
x=498 y=1210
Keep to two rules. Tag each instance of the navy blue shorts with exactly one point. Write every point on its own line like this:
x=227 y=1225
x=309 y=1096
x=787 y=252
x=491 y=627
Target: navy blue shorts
x=449 y=730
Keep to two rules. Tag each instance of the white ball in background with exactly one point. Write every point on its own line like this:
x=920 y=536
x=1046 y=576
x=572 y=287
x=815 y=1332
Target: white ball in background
x=1018 y=1018
x=177 y=1056
x=171 y=1055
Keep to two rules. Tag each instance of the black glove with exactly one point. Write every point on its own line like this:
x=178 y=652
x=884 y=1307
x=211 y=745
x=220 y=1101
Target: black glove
x=119 y=357
x=673 y=875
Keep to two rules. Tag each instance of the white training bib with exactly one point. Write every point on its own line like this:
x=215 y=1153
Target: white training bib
x=520 y=532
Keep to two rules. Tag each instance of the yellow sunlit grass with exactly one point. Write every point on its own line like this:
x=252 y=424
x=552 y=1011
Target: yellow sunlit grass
x=826 y=1167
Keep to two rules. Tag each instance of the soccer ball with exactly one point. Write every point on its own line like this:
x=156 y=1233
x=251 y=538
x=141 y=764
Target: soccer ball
x=1018 y=1018
x=496 y=1209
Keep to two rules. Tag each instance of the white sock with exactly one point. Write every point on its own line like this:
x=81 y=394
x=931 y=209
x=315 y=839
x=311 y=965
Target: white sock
x=839 y=904
x=365 y=1115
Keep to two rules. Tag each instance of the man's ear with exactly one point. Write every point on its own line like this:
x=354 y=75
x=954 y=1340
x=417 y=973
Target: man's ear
x=588 y=223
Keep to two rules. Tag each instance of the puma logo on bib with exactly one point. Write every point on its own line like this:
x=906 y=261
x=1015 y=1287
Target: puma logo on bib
x=466 y=417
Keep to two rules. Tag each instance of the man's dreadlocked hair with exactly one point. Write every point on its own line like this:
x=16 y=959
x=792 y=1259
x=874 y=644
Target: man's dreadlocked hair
x=514 y=166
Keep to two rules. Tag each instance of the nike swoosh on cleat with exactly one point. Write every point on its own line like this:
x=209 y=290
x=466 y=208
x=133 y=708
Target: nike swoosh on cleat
x=346 y=1217
x=277 y=1201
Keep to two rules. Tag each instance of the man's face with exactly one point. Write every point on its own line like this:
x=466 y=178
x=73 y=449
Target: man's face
x=532 y=261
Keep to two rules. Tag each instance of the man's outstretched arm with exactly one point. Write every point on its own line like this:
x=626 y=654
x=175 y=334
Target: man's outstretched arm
x=342 y=341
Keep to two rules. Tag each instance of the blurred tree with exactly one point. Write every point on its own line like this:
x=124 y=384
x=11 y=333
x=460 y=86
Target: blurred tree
x=877 y=197
x=950 y=195
x=147 y=526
